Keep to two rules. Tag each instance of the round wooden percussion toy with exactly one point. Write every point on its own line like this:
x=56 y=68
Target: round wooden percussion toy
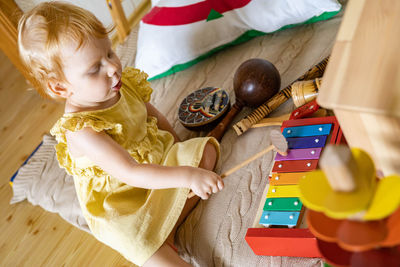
x=203 y=108
x=255 y=81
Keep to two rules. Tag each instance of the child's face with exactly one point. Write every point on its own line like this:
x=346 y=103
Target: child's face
x=93 y=73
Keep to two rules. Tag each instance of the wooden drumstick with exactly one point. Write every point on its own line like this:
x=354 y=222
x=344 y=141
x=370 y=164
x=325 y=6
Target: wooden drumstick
x=276 y=121
x=278 y=143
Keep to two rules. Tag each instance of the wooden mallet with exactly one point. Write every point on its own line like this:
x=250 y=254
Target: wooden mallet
x=278 y=143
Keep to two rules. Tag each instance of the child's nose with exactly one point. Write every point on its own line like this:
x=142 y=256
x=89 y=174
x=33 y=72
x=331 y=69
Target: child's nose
x=112 y=68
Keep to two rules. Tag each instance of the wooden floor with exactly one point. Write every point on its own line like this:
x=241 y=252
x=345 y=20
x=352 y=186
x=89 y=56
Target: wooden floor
x=30 y=236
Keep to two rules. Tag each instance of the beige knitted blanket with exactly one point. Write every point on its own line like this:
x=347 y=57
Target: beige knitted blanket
x=213 y=235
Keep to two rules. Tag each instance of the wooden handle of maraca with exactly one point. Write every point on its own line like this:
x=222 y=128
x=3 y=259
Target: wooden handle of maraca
x=221 y=128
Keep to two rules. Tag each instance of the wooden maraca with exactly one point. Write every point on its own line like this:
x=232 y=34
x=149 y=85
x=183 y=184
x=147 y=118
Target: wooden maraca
x=255 y=81
x=304 y=90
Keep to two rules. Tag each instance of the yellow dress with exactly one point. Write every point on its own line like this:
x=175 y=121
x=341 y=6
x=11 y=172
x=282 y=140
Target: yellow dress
x=133 y=221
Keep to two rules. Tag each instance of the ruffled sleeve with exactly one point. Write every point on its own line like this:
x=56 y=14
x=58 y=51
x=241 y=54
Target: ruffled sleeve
x=136 y=81
x=73 y=123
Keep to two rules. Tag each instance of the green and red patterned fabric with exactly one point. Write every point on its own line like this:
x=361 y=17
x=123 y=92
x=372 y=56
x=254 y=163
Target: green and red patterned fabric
x=176 y=34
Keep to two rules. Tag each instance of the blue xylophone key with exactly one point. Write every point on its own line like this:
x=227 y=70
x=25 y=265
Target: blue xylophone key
x=281 y=218
x=307 y=130
x=306 y=142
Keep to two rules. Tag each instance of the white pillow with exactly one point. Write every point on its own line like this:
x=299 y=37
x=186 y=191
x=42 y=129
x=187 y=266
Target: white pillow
x=176 y=34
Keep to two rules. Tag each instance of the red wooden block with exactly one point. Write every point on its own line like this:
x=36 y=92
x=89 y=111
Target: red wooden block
x=304 y=110
x=382 y=257
x=334 y=254
x=282 y=242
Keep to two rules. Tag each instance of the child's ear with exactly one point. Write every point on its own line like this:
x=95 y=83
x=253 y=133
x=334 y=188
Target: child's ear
x=58 y=88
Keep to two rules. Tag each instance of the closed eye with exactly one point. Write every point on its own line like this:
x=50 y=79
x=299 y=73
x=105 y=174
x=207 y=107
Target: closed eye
x=95 y=69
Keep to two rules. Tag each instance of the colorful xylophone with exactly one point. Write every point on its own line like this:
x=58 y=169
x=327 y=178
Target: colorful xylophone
x=281 y=209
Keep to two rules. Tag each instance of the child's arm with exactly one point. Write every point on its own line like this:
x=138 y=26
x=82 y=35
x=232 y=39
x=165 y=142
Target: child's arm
x=162 y=121
x=115 y=160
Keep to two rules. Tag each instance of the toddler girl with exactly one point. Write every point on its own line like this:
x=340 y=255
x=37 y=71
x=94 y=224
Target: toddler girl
x=131 y=173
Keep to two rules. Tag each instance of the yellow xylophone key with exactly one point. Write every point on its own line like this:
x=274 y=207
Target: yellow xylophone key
x=283 y=191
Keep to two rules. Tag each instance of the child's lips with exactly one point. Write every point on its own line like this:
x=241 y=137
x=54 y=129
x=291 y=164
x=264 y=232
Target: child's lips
x=117 y=86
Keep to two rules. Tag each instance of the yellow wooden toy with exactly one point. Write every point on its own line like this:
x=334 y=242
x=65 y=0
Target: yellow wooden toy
x=316 y=193
x=362 y=198
x=386 y=198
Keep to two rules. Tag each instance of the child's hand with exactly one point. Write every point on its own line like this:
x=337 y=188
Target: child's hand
x=203 y=182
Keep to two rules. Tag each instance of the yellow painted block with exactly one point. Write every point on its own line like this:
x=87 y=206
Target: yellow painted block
x=386 y=199
x=317 y=194
x=283 y=191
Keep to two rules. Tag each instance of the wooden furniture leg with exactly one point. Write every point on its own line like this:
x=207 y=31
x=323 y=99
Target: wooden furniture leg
x=9 y=16
x=119 y=18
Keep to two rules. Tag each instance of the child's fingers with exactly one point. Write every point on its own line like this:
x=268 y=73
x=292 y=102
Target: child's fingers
x=203 y=195
x=220 y=184
x=203 y=192
x=215 y=188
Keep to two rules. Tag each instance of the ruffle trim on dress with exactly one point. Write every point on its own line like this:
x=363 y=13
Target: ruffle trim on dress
x=137 y=80
x=141 y=151
x=75 y=123
x=65 y=161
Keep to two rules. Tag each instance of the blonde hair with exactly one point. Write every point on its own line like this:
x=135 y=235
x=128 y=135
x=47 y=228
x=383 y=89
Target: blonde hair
x=43 y=30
